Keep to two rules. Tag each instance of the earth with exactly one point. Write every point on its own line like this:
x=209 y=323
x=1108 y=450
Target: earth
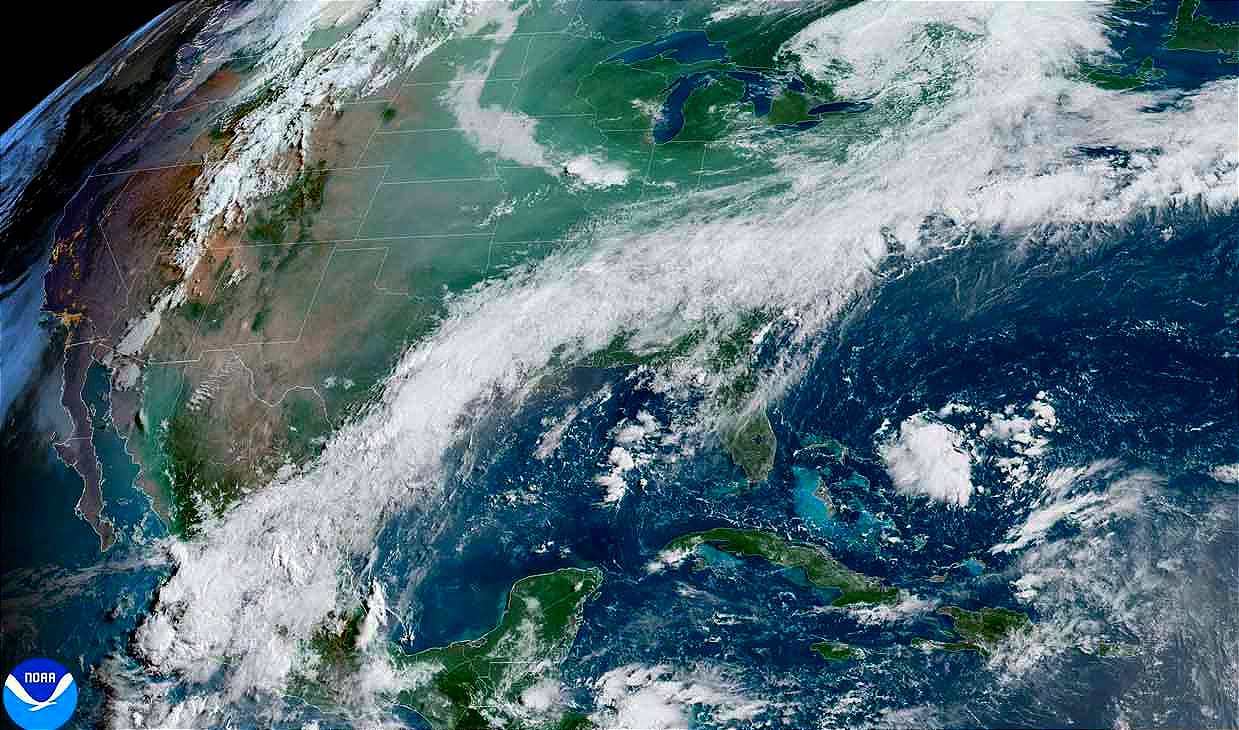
x=562 y=364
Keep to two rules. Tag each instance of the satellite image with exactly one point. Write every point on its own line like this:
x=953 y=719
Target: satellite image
x=587 y=365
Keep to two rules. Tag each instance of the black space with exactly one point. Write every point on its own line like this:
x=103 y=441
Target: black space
x=54 y=39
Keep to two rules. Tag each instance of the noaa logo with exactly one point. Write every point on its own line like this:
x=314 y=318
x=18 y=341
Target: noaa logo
x=40 y=695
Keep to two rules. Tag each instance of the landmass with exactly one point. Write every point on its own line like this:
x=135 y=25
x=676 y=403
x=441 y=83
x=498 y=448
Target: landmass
x=752 y=445
x=221 y=350
x=334 y=644
x=749 y=440
x=819 y=567
x=479 y=683
x=695 y=82
x=85 y=286
x=979 y=631
x=822 y=494
x=221 y=344
x=1107 y=650
x=1112 y=77
x=1195 y=32
x=833 y=448
x=835 y=651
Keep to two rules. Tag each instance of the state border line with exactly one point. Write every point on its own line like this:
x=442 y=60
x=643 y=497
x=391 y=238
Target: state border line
x=156 y=168
x=504 y=117
x=188 y=362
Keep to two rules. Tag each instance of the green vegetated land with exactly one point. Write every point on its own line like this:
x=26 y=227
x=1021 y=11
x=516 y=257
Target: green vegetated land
x=752 y=445
x=613 y=86
x=704 y=117
x=756 y=40
x=819 y=567
x=224 y=128
x=334 y=643
x=979 y=631
x=623 y=94
x=292 y=208
x=750 y=439
x=1107 y=650
x=1195 y=32
x=789 y=107
x=1113 y=78
x=200 y=486
x=836 y=651
x=462 y=684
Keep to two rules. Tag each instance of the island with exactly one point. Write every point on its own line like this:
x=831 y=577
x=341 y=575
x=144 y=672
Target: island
x=979 y=631
x=1107 y=650
x=820 y=568
x=837 y=651
x=1113 y=78
x=1195 y=32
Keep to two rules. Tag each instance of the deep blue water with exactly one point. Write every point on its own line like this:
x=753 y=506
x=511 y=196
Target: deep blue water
x=1183 y=69
x=916 y=343
x=83 y=605
x=1127 y=338
x=671 y=119
x=1222 y=11
x=760 y=90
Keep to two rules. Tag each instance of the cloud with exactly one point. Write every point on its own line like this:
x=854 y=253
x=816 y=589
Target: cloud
x=927 y=458
x=596 y=174
x=1140 y=570
x=660 y=697
x=1225 y=473
x=629 y=453
x=677 y=265
x=1068 y=496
